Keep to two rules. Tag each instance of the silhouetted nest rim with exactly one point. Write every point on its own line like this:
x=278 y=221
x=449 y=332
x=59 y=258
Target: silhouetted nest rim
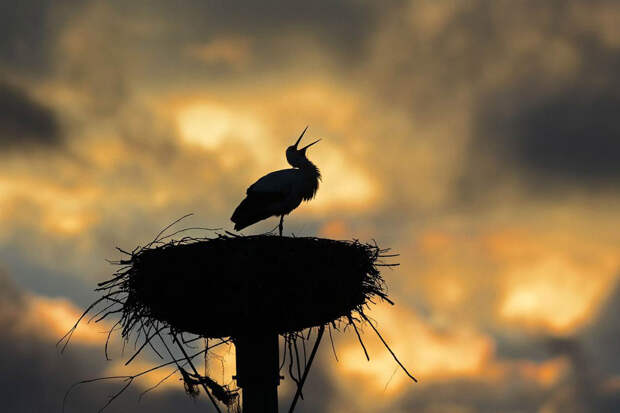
x=219 y=287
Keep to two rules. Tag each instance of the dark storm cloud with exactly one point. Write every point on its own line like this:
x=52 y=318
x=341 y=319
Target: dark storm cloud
x=600 y=343
x=29 y=275
x=340 y=26
x=570 y=137
x=319 y=391
x=573 y=135
x=35 y=377
x=10 y=296
x=24 y=33
x=593 y=358
x=591 y=355
x=25 y=122
x=28 y=31
x=524 y=346
x=602 y=336
x=555 y=133
x=275 y=34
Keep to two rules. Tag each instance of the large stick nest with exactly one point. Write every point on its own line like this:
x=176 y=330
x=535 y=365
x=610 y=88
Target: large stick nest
x=229 y=286
x=219 y=287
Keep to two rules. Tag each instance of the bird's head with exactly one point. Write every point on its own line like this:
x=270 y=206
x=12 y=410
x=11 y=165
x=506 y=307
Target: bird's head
x=295 y=156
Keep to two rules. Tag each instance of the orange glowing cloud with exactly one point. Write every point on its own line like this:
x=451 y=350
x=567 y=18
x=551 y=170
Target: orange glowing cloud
x=63 y=209
x=553 y=294
x=546 y=373
x=344 y=185
x=430 y=353
x=209 y=124
x=336 y=229
x=434 y=240
x=434 y=356
x=551 y=281
x=236 y=129
x=52 y=318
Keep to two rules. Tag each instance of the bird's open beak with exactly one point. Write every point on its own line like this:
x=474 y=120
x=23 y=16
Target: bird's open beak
x=300 y=136
x=309 y=145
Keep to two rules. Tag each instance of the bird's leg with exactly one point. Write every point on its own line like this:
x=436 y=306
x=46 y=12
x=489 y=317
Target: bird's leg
x=281 y=226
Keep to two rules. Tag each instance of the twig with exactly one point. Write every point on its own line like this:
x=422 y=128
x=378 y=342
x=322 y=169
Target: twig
x=331 y=339
x=118 y=393
x=390 y=379
x=359 y=338
x=74 y=385
x=188 y=229
x=67 y=337
x=307 y=369
x=204 y=386
x=290 y=364
x=283 y=355
x=158 y=384
x=147 y=340
x=297 y=362
x=166 y=228
x=388 y=347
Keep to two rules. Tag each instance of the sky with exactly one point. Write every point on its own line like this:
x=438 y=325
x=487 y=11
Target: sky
x=478 y=139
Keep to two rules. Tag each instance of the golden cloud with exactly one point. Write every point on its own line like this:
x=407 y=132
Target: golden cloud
x=430 y=353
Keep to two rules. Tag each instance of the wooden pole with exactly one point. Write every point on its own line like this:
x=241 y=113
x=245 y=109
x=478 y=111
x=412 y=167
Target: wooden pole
x=258 y=375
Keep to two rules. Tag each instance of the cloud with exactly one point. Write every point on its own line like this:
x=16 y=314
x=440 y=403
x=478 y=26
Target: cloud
x=24 y=122
x=340 y=27
x=600 y=335
x=569 y=138
x=487 y=100
x=24 y=30
x=233 y=51
x=549 y=122
x=35 y=377
x=593 y=360
x=422 y=106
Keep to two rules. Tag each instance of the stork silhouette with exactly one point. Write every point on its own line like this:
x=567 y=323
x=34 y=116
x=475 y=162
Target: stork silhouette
x=280 y=192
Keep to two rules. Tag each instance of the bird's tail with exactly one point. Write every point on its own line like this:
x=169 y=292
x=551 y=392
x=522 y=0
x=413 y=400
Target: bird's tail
x=249 y=212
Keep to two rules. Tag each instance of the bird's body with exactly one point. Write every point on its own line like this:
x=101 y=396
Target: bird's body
x=280 y=192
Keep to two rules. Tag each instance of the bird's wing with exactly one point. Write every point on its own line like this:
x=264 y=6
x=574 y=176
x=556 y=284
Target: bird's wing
x=265 y=198
x=278 y=183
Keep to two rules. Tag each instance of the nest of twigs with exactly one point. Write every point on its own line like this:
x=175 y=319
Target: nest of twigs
x=222 y=286
x=216 y=287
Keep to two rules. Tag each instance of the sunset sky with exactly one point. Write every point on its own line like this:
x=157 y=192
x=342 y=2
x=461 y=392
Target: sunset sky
x=480 y=140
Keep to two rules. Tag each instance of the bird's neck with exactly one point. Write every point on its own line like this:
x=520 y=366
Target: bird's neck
x=308 y=167
x=312 y=176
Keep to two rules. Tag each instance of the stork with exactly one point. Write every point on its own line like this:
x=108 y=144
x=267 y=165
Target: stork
x=280 y=192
